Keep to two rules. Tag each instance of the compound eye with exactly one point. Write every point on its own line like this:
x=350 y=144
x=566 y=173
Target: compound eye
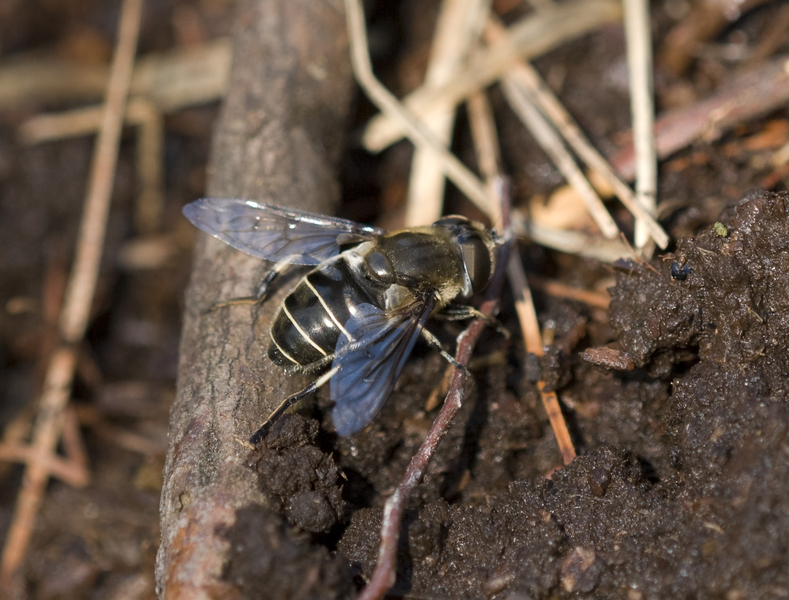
x=476 y=260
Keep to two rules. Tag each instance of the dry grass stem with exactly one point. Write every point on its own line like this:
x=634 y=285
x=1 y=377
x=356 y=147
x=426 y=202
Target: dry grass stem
x=76 y=310
x=67 y=471
x=15 y=434
x=171 y=80
x=562 y=290
x=483 y=132
x=531 y=37
x=77 y=122
x=457 y=28
x=150 y=169
x=466 y=181
x=73 y=470
x=524 y=306
x=73 y=444
x=523 y=106
x=150 y=152
x=570 y=242
x=526 y=76
x=638 y=35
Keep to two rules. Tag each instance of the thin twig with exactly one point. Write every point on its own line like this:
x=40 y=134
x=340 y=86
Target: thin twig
x=78 y=300
x=468 y=183
x=457 y=28
x=384 y=574
x=75 y=122
x=533 y=36
x=486 y=144
x=67 y=471
x=638 y=34
x=73 y=470
x=150 y=169
x=73 y=444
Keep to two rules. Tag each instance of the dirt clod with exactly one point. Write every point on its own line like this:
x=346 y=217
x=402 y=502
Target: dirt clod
x=298 y=476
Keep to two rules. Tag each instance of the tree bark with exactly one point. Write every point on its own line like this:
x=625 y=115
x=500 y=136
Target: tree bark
x=278 y=140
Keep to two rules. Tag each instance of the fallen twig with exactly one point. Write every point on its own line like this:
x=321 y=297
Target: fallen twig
x=278 y=141
x=527 y=317
x=747 y=96
x=571 y=242
x=483 y=132
x=558 y=289
x=67 y=471
x=79 y=295
x=150 y=169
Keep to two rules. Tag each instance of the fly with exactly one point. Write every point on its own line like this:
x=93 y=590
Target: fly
x=364 y=304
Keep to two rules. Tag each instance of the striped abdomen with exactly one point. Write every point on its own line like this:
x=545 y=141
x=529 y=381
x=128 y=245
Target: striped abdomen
x=311 y=318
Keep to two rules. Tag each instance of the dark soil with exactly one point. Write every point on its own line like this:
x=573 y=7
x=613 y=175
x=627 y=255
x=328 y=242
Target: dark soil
x=680 y=487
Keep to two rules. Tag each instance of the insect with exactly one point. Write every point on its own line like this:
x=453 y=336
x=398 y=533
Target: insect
x=365 y=302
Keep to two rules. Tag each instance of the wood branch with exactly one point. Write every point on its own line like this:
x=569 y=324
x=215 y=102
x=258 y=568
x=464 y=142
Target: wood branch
x=278 y=140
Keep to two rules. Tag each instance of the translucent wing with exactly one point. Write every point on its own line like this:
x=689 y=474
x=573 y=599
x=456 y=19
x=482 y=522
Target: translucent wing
x=276 y=233
x=370 y=365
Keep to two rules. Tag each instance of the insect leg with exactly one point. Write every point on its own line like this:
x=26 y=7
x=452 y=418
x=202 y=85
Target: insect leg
x=461 y=312
x=288 y=402
x=433 y=341
x=278 y=268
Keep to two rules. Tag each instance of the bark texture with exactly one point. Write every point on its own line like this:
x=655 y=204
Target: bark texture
x=278 y=140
